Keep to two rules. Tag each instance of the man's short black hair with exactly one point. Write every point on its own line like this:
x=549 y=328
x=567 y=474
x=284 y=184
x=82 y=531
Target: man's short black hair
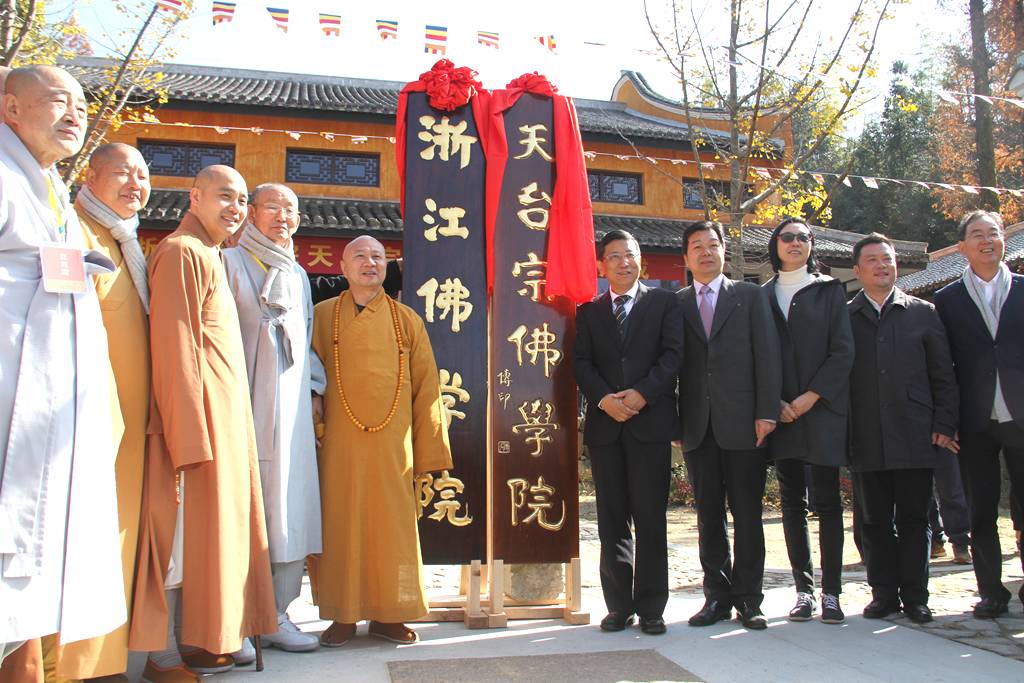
x=873 y=238
x=701 y=226
x=961 y=229
x=612 y=236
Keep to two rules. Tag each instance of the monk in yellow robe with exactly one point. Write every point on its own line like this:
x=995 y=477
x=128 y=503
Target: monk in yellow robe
x=116 y=188
x=201 y=452
x=383 y=424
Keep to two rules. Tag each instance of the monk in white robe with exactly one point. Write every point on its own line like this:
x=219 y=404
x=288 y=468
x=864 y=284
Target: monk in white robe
x=384 y=424
x=275 y=311
x=203 y=543
x=60 y=567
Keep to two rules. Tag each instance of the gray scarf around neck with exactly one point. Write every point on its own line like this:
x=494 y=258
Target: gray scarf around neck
x=125 y=231
x=277 y=290
x=1002 y=286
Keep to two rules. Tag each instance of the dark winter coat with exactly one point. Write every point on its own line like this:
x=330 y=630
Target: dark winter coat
x=817 y=355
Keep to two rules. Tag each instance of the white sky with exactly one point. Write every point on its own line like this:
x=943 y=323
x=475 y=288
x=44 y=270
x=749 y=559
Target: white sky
x=252 y=41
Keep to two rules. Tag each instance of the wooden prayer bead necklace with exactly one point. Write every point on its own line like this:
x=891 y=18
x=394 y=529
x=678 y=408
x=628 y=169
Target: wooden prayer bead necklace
x=337 y=368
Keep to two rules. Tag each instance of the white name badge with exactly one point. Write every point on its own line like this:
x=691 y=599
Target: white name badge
x=63 y=269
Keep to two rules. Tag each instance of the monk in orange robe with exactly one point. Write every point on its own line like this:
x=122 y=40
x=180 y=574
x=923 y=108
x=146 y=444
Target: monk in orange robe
x=202 y=451
x=383 y=424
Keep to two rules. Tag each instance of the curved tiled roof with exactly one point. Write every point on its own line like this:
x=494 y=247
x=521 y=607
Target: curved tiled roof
x=339 y=217
x=948 y=264
x=215 y=85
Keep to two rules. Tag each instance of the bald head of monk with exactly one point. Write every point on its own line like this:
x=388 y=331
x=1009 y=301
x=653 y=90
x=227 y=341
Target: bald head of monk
x=364 y=265
x=118 y=177
x=274 y=211
x=46 y=109
x=4 y=70
x=218 y=199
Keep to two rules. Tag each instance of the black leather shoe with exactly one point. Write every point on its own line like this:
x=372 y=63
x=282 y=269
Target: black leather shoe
x=919 y=614
x=654 y=626
x=752 y=618
x=990 y=608
x=879 y=609
x=616 y=622
x=712 y=612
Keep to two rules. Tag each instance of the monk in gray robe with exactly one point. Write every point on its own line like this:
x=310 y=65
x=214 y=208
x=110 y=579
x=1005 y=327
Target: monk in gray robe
x=275 y=312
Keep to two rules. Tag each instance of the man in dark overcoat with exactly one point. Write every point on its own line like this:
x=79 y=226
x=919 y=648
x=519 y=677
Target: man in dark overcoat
x=903 y=407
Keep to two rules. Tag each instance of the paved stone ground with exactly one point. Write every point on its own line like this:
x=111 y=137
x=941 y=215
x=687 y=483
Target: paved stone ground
x=973 y=649
x=952 y=587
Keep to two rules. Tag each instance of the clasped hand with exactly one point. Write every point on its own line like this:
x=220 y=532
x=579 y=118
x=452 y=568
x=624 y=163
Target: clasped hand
x=623 y=405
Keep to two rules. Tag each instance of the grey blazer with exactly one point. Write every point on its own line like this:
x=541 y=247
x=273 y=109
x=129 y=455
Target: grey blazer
x=735 y=377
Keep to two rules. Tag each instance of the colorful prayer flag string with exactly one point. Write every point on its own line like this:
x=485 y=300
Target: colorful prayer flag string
x=330 y=24
x=387 y=28
x=487 y=39
x=223 y=12
x=436 y=37
x=175 y=6
x=280 y=17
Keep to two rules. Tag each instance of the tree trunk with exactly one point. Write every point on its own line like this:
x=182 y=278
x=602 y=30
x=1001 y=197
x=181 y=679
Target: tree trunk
x=734 y=226
x=983 y=138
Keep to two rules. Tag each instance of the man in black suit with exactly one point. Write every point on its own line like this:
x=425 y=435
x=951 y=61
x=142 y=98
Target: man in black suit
x=903 y=409
x=627 y=352
x=983 y=313
x=730 y=389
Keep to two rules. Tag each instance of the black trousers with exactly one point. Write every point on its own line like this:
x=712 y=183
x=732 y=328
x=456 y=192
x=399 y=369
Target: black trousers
x=719 y=476
x=949 y=514
x=631 y=482
x=829 y=507
x=894 y=528
x=979 y=466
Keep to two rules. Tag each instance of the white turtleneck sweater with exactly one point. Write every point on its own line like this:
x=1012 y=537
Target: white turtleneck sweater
x=789 y=283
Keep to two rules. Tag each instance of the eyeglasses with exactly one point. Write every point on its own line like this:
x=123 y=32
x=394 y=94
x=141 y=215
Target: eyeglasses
x=616 y=257
x=789 y=237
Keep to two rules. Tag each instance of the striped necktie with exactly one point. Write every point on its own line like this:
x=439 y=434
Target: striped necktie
x=620 y=313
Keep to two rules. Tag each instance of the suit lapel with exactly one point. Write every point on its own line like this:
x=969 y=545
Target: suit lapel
x=605 y=317
x=1012 y=302
x=973 y=313
x=863 y=306
x=724 y=307
x=688 y=299
x=636 y=313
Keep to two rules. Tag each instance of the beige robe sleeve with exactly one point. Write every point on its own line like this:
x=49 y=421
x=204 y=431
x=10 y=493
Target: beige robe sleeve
x=176 y=282
x=431 y=451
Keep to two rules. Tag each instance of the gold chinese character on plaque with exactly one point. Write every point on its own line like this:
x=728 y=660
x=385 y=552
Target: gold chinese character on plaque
x=503 y=397
x=536 y=424
x=448 y=296
x=539 y=346
x=148 y=244
x=444 y=488
x=539 y=503
x=319 y=253
x=451 y=214
x=446 y=140
x=452 y=392
x=532 y=141
x=534 y=276
x=533 y=217
x=505 y=378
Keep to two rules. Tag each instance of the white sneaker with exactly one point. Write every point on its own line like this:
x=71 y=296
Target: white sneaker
x=289 y=638
x=245 y=656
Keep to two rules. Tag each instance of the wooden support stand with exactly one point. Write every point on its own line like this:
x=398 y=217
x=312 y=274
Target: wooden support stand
x=568 y=607
x=493 y=610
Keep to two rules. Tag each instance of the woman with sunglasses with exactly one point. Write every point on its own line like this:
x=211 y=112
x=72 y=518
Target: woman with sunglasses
x=817 y=355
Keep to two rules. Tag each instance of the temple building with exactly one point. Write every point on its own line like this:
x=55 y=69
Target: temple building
x=332 y=140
